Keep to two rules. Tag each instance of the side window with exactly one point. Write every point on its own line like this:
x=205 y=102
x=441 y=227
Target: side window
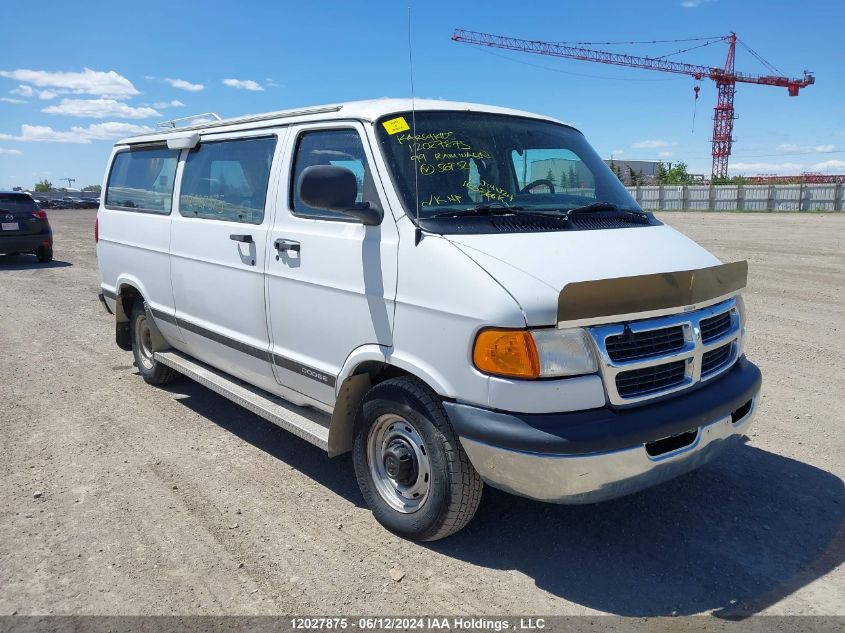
x=227 y=180
x=342 y=148
x=142 y=180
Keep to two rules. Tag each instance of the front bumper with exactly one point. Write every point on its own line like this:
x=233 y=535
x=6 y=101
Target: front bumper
x=590 y=456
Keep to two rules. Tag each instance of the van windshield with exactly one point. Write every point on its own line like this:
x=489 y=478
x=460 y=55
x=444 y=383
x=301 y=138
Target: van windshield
x=460 y=161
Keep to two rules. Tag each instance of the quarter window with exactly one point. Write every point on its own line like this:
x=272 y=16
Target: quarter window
x=227 y=180
x=142 y=180
x=342 y=148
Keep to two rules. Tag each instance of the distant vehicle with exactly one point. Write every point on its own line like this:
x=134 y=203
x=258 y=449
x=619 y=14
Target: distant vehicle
x=70 y=202
x=24 y=227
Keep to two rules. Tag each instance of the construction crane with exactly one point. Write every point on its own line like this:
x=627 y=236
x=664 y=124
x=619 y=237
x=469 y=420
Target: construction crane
x=70 y=181
x=726 y=78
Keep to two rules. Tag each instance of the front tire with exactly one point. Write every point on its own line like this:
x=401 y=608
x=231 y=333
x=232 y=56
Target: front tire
x=152 y=371
x=410 y=466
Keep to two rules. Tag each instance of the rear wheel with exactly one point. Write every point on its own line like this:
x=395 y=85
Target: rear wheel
x=44 y=254
x=152 y=371
x=410 y=466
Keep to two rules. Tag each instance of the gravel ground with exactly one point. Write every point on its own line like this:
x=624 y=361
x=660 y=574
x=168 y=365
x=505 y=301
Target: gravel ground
x=120 y=498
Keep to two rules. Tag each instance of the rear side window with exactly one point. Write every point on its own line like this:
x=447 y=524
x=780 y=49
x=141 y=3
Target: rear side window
x=13 y=202
x=142 y=180
x=227 y=180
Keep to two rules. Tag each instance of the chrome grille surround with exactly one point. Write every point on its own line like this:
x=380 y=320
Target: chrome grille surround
x=691 y=352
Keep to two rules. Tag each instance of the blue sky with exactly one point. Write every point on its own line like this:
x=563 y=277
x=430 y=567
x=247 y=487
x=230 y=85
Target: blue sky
x=153 y=60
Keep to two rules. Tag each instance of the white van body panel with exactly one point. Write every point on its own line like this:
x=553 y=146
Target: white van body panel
x=333 y=295
x=218 y=285
x=437 y=322
x=132 y=246
x=524 y=262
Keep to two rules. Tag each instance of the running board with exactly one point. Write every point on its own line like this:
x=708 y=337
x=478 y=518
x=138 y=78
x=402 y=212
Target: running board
x=311 y=426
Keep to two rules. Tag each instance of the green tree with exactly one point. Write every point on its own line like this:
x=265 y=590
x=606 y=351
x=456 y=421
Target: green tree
x=616 y=170
x=572 y=178
x=44 y=185
x=677 y=175
x=96 y=188
x=661 y=175
x=550 y=176
x=564 y=181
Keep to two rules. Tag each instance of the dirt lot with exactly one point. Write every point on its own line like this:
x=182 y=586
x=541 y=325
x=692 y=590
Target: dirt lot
x=154 y=501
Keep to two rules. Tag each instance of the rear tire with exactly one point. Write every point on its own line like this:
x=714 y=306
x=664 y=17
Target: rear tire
x=152 y=371
x=410 y=466
x=44 y=254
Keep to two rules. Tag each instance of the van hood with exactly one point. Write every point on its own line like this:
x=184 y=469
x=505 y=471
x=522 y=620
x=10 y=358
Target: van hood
x=535 y=267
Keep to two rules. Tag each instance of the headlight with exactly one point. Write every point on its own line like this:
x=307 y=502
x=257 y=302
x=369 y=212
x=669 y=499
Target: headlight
x=545 y=353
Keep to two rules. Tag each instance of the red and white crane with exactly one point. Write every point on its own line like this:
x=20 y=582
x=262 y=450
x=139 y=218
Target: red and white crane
x=726 y=77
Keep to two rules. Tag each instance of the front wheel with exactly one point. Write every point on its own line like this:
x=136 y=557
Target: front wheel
x=410 y=466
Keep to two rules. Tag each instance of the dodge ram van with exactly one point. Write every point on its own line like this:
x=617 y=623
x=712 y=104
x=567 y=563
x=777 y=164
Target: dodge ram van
x=458 y=294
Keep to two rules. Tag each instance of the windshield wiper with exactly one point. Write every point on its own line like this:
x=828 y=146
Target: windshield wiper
x=485 y=208
x=604 y=206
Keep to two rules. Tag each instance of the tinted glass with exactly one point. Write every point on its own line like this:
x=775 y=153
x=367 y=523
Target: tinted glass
x=142 y=180
x=14 y=202
x=227 y=180
x=341 y=148
x=458 y=160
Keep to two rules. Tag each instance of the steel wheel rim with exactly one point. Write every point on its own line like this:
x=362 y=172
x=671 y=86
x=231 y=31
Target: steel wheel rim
x=144 y=338
x=404 y=498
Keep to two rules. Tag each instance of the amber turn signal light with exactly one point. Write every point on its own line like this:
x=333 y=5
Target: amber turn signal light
x=510 y=353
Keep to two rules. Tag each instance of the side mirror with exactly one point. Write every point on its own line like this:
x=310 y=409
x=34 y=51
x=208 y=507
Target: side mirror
x=334 y=188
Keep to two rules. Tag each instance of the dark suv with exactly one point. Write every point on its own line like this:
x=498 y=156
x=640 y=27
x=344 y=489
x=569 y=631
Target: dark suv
x=24 y=227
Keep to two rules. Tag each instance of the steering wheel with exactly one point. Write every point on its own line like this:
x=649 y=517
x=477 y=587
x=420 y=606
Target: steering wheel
x=535 y=183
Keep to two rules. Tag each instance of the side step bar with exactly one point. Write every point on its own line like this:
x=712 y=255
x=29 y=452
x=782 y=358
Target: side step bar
x=312 y=426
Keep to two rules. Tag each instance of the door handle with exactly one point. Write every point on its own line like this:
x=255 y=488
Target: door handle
x=286 y=245
x=237 y=237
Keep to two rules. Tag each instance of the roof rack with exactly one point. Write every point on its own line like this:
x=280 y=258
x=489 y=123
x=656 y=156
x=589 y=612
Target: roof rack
x=186 y=121
x=212 y=120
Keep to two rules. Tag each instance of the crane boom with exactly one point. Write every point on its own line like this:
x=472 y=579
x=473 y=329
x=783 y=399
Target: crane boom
x=620 y=59
x=726 y=78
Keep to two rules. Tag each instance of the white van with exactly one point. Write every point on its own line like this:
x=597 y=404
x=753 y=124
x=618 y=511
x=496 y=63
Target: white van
x=456 y=293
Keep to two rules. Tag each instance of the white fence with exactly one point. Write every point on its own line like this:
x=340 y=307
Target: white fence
x=805 y=197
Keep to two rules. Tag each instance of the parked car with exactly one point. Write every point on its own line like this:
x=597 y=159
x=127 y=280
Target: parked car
x=406 y=282
x=24 y=227
x=73 y=202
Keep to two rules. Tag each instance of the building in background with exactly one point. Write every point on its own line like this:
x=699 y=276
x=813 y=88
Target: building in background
x=644 y=171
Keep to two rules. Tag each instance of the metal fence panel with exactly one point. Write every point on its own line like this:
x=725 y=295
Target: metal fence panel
x=787 y=198
x=698 y=198
x=725 y=198
x=754 y=198
x=673 y=198
x=819 y=198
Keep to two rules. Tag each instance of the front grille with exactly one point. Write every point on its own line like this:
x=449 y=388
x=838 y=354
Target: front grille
x=648 y=379
x=632 y=346
x=648 y=358
x=714 y=327
x=715 y=358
